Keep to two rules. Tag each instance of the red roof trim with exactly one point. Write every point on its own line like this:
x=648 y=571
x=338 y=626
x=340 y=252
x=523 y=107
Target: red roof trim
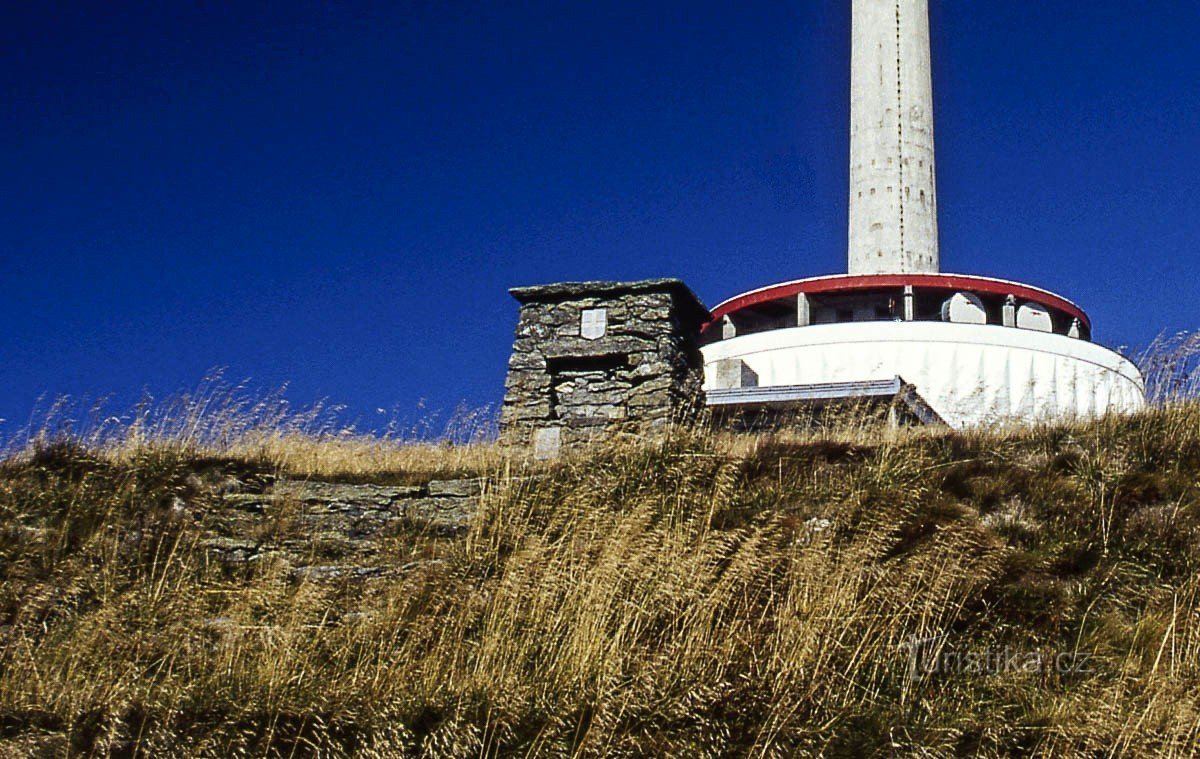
x=847 y=283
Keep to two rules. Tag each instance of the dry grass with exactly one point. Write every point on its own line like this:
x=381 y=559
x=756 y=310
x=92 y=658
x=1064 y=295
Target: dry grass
x=697 y=595
x=1171 y=365
x=220 y=419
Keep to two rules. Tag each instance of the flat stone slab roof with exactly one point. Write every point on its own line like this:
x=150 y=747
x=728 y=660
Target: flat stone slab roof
x=563 y=291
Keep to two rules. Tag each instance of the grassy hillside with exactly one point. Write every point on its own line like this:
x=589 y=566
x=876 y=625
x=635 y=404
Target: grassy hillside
x=845 y=593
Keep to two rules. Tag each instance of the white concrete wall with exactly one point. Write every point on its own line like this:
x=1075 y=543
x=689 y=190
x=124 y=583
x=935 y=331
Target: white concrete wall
x=970 y=374
x=893 y=194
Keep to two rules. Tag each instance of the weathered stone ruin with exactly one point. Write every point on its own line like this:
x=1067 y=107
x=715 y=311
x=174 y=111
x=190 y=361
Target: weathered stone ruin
x=591 y=358
x=334 y=530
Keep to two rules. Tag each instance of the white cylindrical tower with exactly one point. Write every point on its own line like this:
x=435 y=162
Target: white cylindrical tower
x=971 y=350
x=893 y=197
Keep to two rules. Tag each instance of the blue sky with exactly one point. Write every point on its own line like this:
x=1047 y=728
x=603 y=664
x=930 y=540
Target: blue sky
x=338 y=195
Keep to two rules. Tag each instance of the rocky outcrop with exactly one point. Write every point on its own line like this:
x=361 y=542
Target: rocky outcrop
x=325 y=519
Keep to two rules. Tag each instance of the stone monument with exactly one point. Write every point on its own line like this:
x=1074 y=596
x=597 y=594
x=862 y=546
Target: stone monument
x=591 y=358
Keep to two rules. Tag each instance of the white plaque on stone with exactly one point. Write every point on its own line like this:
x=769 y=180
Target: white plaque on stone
x=546 y=443
x=593 y=323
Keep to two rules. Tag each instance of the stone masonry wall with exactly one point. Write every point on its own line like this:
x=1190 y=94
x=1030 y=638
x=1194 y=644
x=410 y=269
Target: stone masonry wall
x=343 y=524
x=590 y=358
